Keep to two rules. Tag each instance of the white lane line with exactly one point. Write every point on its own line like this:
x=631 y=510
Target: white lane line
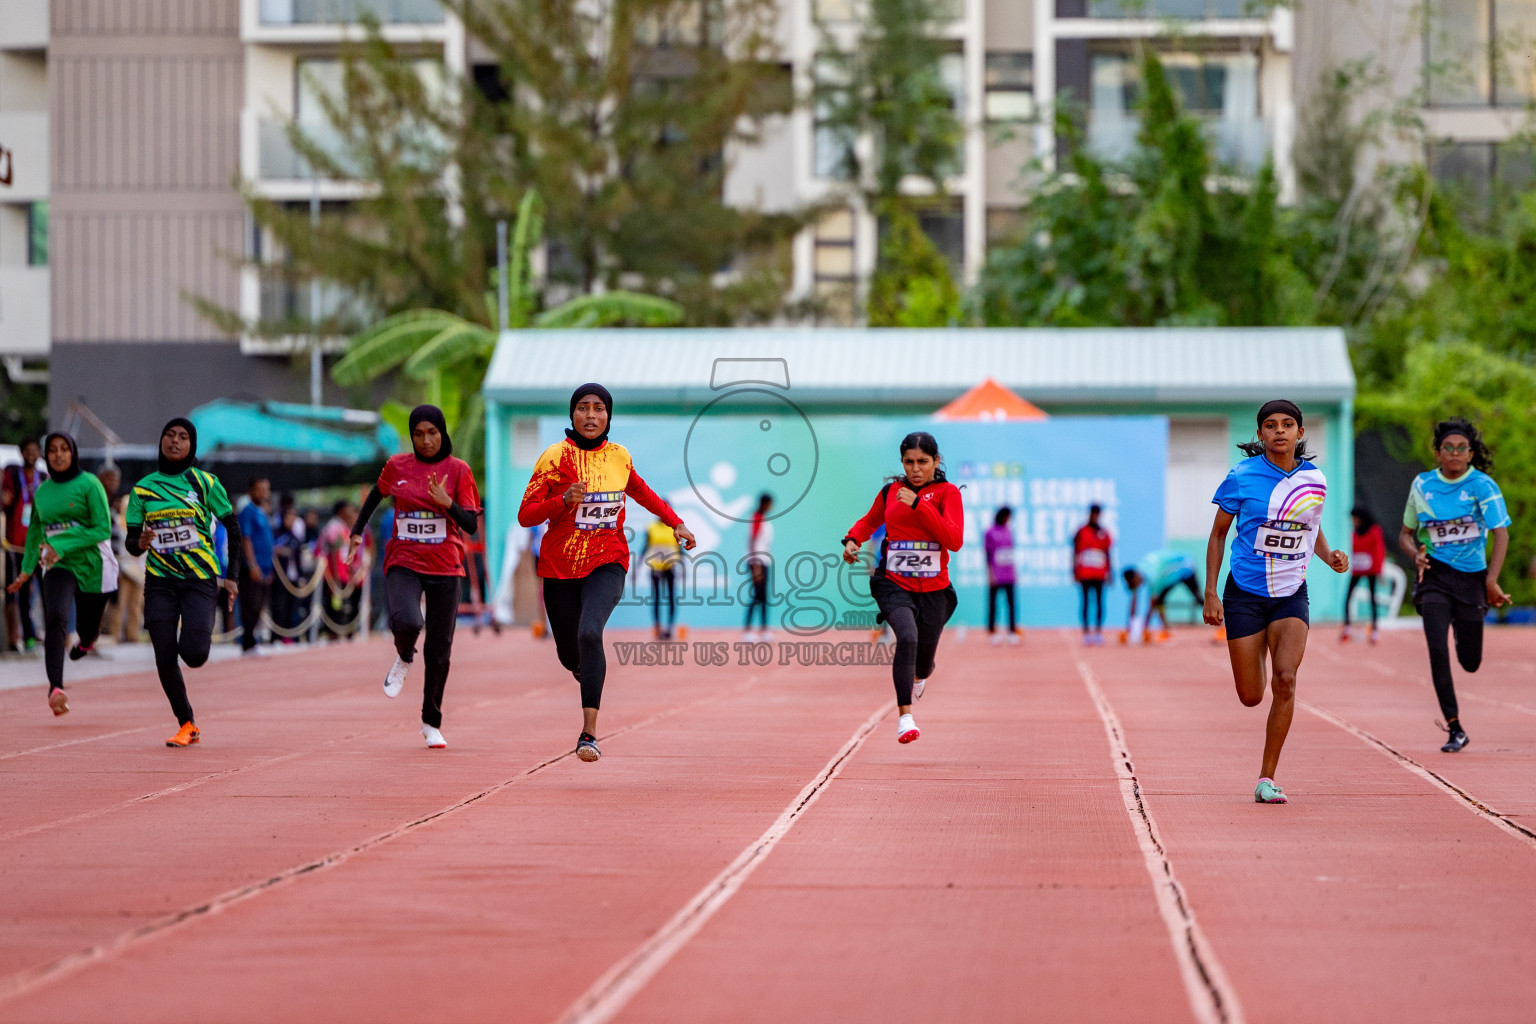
x=1462 y=797
x=610 y=993
x=24 y=981
x=1211 y=996
x=1461 y=691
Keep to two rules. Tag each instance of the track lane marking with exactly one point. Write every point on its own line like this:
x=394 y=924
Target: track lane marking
x=624 y=980
x=1391 y=673
x=1212 y=998
x=21 y=982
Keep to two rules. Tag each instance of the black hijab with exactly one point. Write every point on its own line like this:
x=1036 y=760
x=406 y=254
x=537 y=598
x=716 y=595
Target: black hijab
x=61 y=476
x=172 y=467
x=433 y=415
x=576 y=396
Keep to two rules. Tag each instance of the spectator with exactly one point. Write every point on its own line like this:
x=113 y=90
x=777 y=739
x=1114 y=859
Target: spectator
x=256 y=536
x=287 y=548
x=341 y=594
x=17 y=486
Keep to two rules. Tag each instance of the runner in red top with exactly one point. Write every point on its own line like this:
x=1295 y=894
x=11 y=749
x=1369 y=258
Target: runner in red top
x=1368 y=557
x=1090 y=568
x=578 y=487
x=924 y=522
x=436 y=506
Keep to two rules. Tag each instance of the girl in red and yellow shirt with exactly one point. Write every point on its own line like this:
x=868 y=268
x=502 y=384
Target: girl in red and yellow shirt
x=578 y=487
x=924 y=522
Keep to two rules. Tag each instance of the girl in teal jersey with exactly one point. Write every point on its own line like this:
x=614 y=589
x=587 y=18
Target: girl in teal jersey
x=1452 y=512
x=70 y=536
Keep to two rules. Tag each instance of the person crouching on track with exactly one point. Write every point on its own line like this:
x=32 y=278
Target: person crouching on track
x=1276 y=497
x=578 y=487
x=437 y=505
x=924 y=522
x=172 y=514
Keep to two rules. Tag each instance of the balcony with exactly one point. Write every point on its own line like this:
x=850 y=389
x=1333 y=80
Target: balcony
x=286 y=301
x=1183 y=10
x=347 y=12
x=1241 y=143
x=278 y=160
x=25 y=316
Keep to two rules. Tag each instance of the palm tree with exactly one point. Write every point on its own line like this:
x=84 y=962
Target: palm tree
x=450 y=354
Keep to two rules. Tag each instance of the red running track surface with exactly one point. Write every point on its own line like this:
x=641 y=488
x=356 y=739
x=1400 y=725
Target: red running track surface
x=1072 y=839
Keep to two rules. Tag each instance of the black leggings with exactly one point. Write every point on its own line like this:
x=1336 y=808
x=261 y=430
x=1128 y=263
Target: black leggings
x=918 y=621
x=404 y=588
x=665 y=579
x=170 y=601
x=759 y=601
x=61 y=591
x=578 y=611
x=1096 y=589
x=1370 y=585
x=1466 y=622
x=993 y=590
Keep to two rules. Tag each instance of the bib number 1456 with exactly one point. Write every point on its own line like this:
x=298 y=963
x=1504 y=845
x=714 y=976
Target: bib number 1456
x=1284 y=539
x=600 y=510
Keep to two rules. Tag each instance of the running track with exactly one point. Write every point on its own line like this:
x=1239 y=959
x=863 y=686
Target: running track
x=1073 y=839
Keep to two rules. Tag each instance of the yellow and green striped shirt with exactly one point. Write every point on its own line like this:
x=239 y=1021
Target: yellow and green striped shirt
x=182 y=510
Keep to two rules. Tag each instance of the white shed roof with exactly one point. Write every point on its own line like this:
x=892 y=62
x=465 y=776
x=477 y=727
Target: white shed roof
x=864 y=367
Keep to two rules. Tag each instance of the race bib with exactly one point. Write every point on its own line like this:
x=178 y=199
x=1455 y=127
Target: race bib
x=421 y=527
x=1461 y=530
x=1092 y=558
x=1005 y=558
x=600 y=510
x=54 y=529
x=1285 y=539
x=1361 y=563
x=175 y=535
x=26 y=514
x=918 y=559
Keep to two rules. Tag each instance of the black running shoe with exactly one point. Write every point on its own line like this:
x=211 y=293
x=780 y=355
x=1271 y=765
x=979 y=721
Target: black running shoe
x=1458 y=739
x=586 y=747
x=77 y=652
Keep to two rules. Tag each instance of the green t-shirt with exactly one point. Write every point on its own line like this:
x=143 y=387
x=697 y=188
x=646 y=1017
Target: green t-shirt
x=72 y=518
x=182 y=510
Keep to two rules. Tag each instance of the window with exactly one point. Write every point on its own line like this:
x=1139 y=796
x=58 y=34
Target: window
x=1222 y=88
x=1480 y=53
x=1478 y=168
x=1189 y=9
x=834 y=143
x=836 y=10
x=37 y=234
x=1010 y=82
x=945 y=227
x=834 y=269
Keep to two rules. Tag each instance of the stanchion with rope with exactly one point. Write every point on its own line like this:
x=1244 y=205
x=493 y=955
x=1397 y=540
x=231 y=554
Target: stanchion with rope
x=317 y=613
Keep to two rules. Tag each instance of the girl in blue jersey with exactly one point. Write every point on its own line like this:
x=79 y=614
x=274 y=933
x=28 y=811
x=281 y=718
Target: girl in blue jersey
x=1276 y=497
x=1451 y=512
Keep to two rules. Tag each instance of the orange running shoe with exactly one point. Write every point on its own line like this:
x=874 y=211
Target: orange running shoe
x=185 y=736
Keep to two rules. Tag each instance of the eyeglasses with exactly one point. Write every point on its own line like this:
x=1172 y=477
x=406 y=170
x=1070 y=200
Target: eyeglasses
x=1455 y=449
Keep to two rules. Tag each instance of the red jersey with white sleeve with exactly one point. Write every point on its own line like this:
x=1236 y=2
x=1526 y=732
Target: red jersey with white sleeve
x=590 y=533
x=1090 y=554
x=424 y=538
x=918 y=540
x=1369 y=552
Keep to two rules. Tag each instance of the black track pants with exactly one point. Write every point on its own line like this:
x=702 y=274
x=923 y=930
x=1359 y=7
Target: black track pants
x=61 y=591
x=404 y=589
x=1095 y=589
x=169 y=602
x=1005 y=590
x=1370 y=585
x=578 y=612
x=1466 y=623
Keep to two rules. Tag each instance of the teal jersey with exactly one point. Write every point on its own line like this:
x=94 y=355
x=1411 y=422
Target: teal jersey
x=1452 y=517
x=1162 y=569
x=184 y=511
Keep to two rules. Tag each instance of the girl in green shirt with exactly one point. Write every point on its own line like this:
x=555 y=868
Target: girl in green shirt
x=71 y=537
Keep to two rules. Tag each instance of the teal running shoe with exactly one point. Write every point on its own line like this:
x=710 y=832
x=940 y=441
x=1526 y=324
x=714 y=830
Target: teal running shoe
x=1266 y=792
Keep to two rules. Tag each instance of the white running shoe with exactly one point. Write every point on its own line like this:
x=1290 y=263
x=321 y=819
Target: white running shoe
x=765 y=637
x=395 y=681
x=918 y=686
x=1014 y=638
x=749 y=637
x=996 y=639
x=434 y=738
x=906 y=729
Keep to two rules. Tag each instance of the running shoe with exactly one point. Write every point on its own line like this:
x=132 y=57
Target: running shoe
x=1455 y=742
x=749 y=637
x=1266 y=792
x=185 y=736
x=434 y=738
x=906 y=729
x=58 y=701
x=586 y=747
x=77 y=652
x=1375 y=634
x=765 y=637
x=917 y=688
x=395 y=681
x=1344 y=636
x=1015 y=638
x=996 y=640
x=1087 y=639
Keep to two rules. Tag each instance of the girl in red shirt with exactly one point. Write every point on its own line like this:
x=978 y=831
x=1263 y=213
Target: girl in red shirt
x=578 y=487
x=1090 y=568
x=924 y=522
x=1367 y=558
x=437 y=505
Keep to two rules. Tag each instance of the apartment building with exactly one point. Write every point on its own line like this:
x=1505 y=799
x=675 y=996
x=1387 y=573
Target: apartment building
x=134 y=124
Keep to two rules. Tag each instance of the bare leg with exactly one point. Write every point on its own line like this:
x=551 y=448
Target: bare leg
x=1287 y=644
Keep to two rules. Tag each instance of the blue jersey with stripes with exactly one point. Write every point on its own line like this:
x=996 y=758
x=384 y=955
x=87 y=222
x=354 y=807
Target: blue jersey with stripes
x=1278 y=516
x=1452 y=517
